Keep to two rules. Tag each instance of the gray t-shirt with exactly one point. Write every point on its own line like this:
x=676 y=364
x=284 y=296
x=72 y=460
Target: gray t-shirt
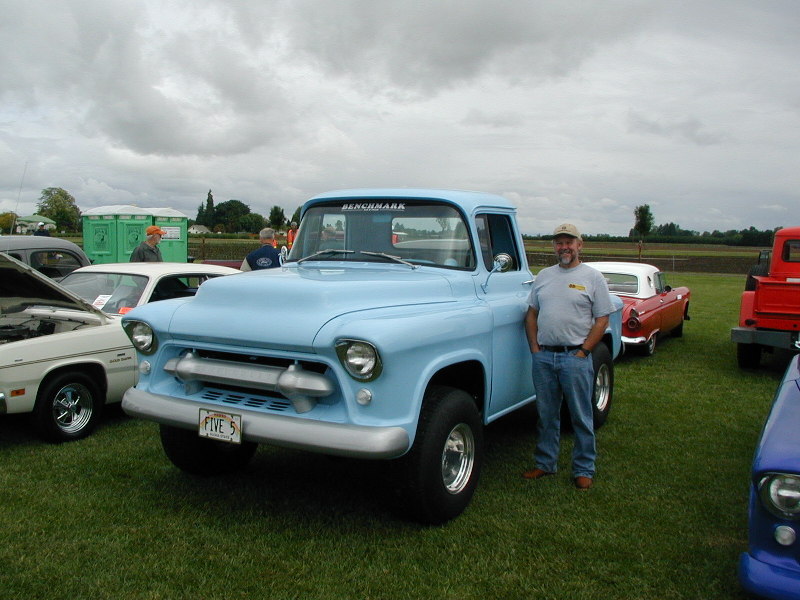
x=568 y=302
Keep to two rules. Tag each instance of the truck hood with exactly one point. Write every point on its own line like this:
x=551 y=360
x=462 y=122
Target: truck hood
x=22 y=286
x=286 y=307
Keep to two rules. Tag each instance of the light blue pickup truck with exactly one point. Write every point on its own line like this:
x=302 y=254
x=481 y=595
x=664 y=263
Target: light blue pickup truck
x=393 y=330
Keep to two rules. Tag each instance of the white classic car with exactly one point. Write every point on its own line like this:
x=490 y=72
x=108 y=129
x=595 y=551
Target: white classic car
x=65 y=380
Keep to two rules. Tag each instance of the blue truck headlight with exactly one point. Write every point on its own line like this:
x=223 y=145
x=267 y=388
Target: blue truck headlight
x=142 y=336
x=780 y=494
x=360 y=359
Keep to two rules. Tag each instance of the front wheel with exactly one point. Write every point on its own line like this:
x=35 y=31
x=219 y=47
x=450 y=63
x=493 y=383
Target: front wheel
x=67 y=407
x=201 y=456
x=441 y=471
x=603 y=384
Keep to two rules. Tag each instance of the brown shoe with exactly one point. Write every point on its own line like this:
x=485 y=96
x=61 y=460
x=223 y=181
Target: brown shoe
x=583 y=483
x=536 y=474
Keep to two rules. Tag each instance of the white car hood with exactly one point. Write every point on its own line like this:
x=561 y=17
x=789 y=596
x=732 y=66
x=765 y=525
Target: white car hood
x=22 y=286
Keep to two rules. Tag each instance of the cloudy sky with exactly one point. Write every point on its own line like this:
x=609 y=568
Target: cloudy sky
x=575 y=110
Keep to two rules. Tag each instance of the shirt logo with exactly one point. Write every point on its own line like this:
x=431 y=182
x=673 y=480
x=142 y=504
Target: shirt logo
x=576 y=286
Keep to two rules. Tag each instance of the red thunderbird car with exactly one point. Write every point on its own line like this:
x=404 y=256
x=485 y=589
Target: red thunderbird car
x=651 y=307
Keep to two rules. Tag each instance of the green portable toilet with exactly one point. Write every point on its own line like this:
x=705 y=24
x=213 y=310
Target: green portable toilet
x=174 y=244
x=110 y=233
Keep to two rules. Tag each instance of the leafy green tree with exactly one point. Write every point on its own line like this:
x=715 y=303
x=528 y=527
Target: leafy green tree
x=59 y=205
x=296 y=215
x=230 y=213
x=643 y=223
x=276 y=218
x=252 y=223
x=206 y=216
x=7 y=222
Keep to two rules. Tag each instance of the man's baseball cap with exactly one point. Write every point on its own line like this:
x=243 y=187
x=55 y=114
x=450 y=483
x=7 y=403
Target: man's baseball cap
x=155 y=229
x=567 y=229
x=40 y=224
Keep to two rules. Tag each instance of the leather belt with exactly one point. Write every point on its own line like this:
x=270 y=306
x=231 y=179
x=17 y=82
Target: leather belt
x=559 y=348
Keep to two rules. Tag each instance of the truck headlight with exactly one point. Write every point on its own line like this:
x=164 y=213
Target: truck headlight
x=142 y=336
x=780 y=494
x=360 y=359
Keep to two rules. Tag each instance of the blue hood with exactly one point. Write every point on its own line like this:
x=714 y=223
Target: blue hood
x=285 y=308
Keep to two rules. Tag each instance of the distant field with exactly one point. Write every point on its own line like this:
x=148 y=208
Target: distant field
x=695 y=258
x=653 y=250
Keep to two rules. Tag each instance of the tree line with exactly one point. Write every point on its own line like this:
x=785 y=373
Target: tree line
x=234 y=216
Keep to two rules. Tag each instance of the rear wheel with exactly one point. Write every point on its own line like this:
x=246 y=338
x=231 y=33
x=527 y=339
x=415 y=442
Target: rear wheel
x=67 y=407
x=649 y=348
x=441 y=471
x=201 y=456
x=603 y=384
x=748 y=356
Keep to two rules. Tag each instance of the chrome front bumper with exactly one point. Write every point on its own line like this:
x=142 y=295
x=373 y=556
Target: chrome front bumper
x=291 y=432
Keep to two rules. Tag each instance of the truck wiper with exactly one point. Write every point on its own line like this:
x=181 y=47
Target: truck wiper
x=389 y=256
x=325 y=252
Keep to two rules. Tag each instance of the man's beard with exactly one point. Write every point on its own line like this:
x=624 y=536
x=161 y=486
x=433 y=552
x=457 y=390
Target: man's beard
x=565 y=258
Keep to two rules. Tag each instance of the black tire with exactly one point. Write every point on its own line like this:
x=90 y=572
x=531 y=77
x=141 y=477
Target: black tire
x=603 y=384
x=761 y=270
x=748 y=356
x=67 y=407
x=201 y=456
x=441 y=471
x=678 y=331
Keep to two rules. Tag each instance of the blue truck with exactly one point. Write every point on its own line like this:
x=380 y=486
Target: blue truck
x=392 y=331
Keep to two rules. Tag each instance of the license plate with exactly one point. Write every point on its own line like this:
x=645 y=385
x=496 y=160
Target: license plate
x=225 y=427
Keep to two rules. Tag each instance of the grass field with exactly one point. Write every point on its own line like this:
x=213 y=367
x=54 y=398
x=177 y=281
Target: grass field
x=110 y=517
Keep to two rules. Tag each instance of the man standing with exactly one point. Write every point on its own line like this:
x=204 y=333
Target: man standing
x=266 y=257
x=291 y=235
x=41 y=230
x=148 y=250
x=568 y=310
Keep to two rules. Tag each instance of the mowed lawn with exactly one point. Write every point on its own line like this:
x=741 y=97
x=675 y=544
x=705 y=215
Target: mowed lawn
x=110 y=517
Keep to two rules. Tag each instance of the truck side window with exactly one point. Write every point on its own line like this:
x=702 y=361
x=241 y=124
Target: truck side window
x=496 y=236
x=791 y=251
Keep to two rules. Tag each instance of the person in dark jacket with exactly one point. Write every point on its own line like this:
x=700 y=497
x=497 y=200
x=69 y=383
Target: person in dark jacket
x=266 y=257
x=148 y=250
x=41 y=230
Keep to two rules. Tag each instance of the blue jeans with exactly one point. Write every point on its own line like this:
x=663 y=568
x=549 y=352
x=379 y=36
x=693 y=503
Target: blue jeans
x=558 y=375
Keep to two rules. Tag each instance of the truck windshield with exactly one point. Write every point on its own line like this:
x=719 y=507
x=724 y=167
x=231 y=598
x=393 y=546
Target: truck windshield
x=420 y=233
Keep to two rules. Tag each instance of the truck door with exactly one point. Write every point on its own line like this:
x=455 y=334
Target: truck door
x=506 y=294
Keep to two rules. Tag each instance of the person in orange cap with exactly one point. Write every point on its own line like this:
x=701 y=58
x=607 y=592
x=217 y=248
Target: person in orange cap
x=148 y=250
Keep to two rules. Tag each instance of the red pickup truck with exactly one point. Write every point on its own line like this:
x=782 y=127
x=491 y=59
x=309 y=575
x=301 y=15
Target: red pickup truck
x=770 y=312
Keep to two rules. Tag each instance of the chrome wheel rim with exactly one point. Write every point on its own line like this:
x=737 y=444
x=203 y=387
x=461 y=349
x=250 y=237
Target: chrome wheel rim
x=651 y=344
x=602 y=387
x=72 y=407
x=458 y=458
